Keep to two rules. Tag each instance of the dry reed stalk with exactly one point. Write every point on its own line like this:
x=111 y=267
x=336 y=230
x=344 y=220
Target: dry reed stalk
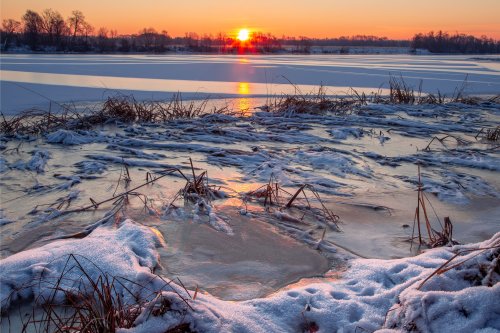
x=434 y=238
x=459 y=141
x=273 y=195
x=444 y=267
x=95 y=304
x=490 y=134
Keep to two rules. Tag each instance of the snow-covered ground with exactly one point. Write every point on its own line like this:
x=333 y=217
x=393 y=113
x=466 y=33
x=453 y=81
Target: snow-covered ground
x=371 y=295
x=258 y=269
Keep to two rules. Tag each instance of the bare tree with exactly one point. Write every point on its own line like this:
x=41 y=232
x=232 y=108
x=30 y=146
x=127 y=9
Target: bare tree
x=147 y=38
x=54 y=26
x=33 y=24
x=10 y=28
x=102 y=39
x=76 y=24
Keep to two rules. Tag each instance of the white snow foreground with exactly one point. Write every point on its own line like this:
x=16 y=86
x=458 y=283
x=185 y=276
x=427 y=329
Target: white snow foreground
x=371 y=295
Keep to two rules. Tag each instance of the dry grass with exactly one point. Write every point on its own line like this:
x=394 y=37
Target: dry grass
x=434 y=238
x=79 y=301
x=319 y=103
x=125 y=108
x=197 y=189
x=490 y=134
x=400 y=92
x=117 y=108
x=272 y=194
x=460 y=141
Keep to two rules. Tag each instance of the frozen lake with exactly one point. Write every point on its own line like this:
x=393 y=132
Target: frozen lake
x=31 y=80
x=362 y=163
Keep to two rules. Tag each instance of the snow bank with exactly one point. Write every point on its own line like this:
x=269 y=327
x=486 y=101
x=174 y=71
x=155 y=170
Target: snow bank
x=371 y=295
x=128 y=251
x=368 y=291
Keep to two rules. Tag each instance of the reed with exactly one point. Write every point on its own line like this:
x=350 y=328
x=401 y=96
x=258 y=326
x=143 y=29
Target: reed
x=273 y=194
x=116 y=108
x=421 y=220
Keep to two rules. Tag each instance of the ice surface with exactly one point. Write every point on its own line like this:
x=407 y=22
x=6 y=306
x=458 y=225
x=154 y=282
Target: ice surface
x=326 y=151
x=65 y=78
x=363 y=165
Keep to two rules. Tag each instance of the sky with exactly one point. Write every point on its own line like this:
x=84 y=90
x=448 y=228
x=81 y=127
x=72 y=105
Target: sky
x=311 y=18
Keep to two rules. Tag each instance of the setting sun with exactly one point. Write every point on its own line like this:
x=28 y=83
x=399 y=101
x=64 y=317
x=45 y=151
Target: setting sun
x=243 y=35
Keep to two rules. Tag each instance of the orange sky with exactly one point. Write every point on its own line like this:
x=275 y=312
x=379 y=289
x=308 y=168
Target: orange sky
x=313 y=18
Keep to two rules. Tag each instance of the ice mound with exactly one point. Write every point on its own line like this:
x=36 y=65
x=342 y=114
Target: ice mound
x=66 y=137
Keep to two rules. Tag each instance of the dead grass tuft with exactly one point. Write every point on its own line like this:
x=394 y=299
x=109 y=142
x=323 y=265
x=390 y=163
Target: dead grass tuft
x=121 y=108
x=490 y=134
x=81 y=301
x=273 y=194
x=434 y=238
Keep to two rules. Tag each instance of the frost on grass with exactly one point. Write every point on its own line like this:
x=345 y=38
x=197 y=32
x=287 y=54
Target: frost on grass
x=67 y=137
x=37 y=162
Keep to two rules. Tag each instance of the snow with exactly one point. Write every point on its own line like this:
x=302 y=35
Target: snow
x=371 y=294
x=362 y=298
x=37 y=162
x=66 y=137
x=128 y=251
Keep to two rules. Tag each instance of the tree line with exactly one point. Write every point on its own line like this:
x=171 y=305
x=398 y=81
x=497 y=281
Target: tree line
x=49 y=31
x=442 y=42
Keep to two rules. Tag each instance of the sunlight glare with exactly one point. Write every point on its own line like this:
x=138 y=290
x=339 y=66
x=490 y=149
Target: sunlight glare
x=243 y=35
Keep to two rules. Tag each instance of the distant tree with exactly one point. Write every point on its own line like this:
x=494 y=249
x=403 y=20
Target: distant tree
x=76 y=24
x=124 y=45
x=221 y=42
x=442 y=42
x=191 y=41
x=102 y=40
x=147 y=38
x=53 y=26
x=33 y=27
x=304 y=44
x=10 y=29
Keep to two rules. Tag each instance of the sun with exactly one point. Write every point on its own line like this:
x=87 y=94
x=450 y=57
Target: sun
x=243 y=35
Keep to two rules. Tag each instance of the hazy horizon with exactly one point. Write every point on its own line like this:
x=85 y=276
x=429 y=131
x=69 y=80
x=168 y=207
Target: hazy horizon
x=315 y=19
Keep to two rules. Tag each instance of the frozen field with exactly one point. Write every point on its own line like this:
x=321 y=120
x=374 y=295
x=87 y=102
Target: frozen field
x=28 y=80
x=258 y=267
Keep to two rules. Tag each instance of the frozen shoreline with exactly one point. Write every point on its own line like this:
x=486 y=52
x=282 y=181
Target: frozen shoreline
x=364 y=166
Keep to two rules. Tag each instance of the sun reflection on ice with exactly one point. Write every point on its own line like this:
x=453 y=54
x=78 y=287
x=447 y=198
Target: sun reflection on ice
x=243 y=88
x=243 y=104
